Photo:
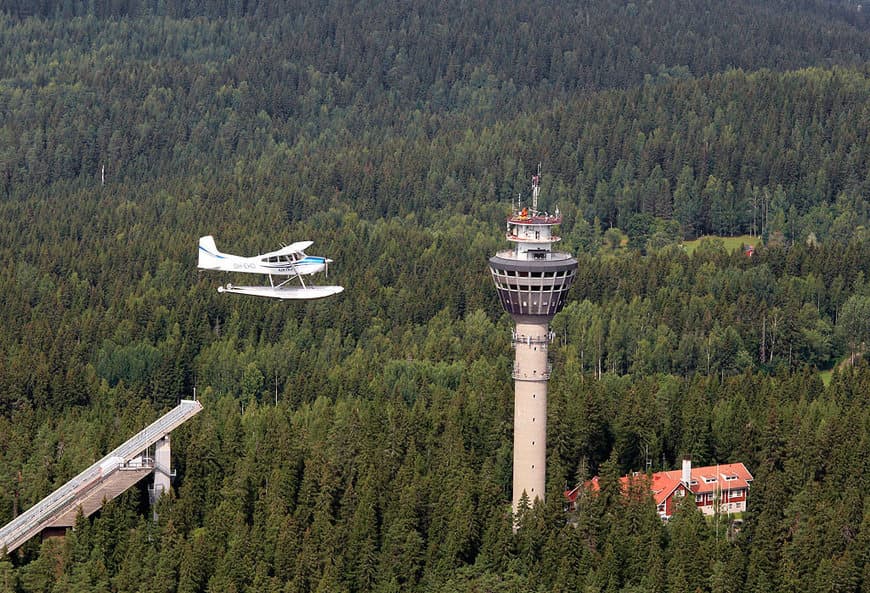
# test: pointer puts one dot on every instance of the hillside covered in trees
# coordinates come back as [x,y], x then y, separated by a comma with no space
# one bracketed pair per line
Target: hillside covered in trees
[363,443]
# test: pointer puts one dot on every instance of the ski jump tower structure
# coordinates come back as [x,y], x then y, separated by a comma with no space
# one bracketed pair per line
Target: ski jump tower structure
[104,480]
[532,283]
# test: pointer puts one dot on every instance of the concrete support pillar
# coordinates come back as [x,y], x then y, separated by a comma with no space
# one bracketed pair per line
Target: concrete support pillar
[531,373]
[162,469]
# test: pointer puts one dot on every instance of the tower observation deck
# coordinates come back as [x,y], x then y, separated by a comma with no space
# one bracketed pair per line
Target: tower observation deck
[532,282]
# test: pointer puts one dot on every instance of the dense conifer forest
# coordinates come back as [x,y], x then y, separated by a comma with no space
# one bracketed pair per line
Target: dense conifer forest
[363,442]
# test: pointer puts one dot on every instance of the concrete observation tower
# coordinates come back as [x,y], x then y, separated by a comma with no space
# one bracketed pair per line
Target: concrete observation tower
[532,282]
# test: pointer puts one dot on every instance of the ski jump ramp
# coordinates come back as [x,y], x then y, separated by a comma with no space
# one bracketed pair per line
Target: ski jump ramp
[104,480]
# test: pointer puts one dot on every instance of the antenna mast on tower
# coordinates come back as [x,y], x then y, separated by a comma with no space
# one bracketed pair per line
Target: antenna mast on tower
[536,189]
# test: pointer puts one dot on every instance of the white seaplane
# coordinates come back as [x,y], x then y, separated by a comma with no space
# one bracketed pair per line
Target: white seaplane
[288,261]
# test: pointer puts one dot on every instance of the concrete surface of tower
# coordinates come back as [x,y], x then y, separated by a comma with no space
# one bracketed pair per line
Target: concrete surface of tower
[532,282]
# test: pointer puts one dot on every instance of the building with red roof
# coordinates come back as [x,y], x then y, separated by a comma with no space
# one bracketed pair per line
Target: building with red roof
[726,484]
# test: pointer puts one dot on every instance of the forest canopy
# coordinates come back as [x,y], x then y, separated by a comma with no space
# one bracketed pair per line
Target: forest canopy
[363,442]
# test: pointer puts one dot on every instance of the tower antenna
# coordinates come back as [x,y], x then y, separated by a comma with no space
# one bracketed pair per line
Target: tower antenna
[536,189]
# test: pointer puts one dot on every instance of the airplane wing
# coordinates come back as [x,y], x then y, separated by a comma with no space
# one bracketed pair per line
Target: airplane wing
[283,292]
[297,247]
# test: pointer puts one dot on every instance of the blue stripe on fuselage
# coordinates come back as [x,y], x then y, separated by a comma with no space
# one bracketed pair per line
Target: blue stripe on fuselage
[308,260]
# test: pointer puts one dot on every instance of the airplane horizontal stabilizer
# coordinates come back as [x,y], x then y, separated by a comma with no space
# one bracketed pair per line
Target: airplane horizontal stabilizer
[295,293]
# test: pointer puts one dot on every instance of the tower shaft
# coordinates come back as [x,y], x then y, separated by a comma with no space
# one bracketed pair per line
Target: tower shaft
[531,371]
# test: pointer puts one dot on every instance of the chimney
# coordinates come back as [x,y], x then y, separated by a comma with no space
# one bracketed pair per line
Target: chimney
[686,477]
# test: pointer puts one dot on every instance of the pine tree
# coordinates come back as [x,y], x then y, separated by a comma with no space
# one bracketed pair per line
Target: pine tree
[688,567]
[8,578]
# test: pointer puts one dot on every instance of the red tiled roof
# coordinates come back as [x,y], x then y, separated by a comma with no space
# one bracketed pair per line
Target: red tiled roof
[662,484]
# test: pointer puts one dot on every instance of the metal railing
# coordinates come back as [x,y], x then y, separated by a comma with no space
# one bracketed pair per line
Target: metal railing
[529,374]
[538,340]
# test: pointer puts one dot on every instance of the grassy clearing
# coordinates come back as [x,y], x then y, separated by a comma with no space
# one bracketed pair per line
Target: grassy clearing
[845,362]
[730,243]
[825,376]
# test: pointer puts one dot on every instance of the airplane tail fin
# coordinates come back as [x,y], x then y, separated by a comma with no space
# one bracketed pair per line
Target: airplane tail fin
[209,256]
